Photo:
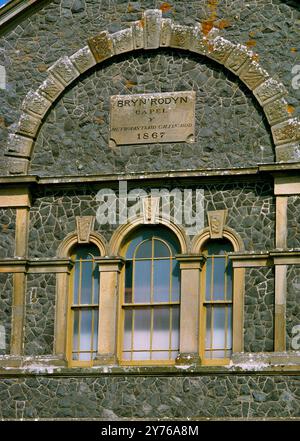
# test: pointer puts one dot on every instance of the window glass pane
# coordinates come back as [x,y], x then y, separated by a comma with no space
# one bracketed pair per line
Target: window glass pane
[86,282]
[141,355]
[229,327]
[142,323]
[160,355]
[219,278]
[161,280]
[127,330]
[161,328]
[142,281]
[75,330]
[208,268]
[217,247]
[95,331]
[175,281]
[85,330]
[218,327]
[144,250]
[96,276]
[160,249]
[208,342]
[85,356]
[175,328]
[128,282]
[76,283]
[229,279]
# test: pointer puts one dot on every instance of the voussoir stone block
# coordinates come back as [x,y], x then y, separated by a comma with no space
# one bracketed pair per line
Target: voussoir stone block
[83,59]
[252,74]
[123,41]
[28,125]
[286,132]
[18,166]
[51,88]
[288,152]
[238,58]
[138,34]
[199,42]
[268,91]
[101,46]
[152,26]
[181,36]
[19,146]
[165,32]
[277,111]
[64,70]
[219,49]
[36,103]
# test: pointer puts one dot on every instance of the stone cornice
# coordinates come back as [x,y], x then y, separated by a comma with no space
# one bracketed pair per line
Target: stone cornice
[266,258]
[40,265]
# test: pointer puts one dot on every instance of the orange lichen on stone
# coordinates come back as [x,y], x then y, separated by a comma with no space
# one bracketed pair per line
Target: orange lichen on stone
[165,7]
[130,8]
[42,67]
[290,108]
[207,26]
[223,24]
[255,57]
[251,43]
[129,84]
[294,49]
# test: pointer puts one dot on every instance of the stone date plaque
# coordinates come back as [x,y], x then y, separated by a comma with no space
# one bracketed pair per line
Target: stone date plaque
[152,118]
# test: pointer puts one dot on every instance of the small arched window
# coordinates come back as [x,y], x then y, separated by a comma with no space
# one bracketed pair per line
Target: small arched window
[217,301]
[83,305]
[151,299]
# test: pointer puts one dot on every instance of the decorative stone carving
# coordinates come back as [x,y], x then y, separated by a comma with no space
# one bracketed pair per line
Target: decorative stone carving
[64,70]
[237,58]
[152,24]
[219,49]
[138,34]
[18,166]
[51,88]
[83,59]
[85,225]
[101,46]
[28,125]
[150,206]
[288,152]
[287,131]
[216,221]
[19,146]
[277,111]
[268,91]
[181,36]
[166,32]
[36,104]
[253,74]
[122,41]
[199,43]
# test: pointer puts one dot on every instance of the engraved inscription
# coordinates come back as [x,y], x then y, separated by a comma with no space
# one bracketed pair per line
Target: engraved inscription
[152,118]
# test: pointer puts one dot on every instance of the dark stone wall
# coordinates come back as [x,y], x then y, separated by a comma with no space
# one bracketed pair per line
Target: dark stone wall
[7,232]
[293,222]
[150,397]
[60,28]
[251,212]
[6,292]
[292,303]
[40,314]
[259,310]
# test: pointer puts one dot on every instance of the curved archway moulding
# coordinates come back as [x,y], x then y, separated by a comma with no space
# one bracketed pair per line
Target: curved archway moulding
[152,32]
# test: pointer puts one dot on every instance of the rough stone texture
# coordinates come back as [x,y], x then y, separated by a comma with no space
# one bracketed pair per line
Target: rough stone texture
[293,224]
[292,304]
[249,206]
[268,27]
[150,397]
[40,309]
[7,232]
[259,310]
[6,289]
[226,116]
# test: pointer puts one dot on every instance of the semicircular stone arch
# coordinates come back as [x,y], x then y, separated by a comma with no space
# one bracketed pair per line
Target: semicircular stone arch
[153,32]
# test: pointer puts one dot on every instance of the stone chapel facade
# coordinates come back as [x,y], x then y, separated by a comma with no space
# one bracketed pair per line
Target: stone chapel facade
[155,278]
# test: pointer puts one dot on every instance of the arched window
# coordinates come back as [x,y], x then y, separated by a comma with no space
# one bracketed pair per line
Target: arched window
[217,302]
[151,298]
[83,305]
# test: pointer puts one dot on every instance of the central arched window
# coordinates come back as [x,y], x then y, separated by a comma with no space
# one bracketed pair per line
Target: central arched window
[151,298]
[84,305]
[217,302]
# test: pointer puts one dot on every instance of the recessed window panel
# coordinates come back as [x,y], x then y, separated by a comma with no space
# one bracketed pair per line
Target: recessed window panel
[219,278]
[161,280]
[208,268]
[128,281]
[160,249]
[142,281]
[144,250]
[127,330]
[161,329]
[175,328]
[142,325]
[86,282]
[175,281]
